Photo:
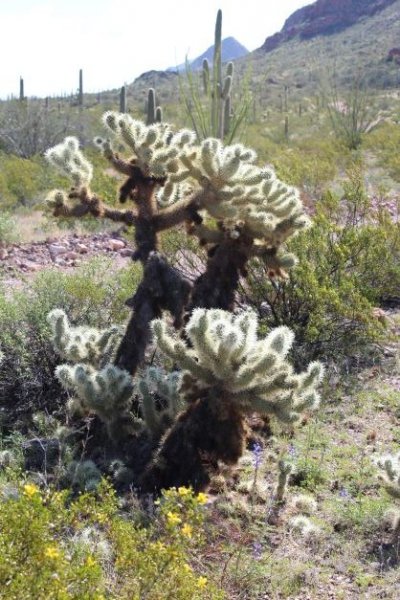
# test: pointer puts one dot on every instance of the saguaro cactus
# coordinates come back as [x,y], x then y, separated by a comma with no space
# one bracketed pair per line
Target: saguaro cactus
[218,119]
[122,100]
[154,113]
[80,88]
[21,89]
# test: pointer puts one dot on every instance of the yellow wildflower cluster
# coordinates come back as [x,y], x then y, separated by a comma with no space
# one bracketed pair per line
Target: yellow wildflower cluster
[30,490]
[187,530]
[52,552]
[173,518]
[201,582]
[202,498]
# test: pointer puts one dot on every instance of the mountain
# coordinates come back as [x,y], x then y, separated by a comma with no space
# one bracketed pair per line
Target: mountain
[324,17]
[231,50]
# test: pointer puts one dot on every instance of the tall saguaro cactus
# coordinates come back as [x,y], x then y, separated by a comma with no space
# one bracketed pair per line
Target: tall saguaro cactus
[154,113]
[217,119]
[122,100]
[21,89]
[80,89]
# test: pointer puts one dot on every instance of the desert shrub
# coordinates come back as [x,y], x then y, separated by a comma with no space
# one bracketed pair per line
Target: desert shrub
[52,546]
[8,229]
[384,142]
[348,263]
[19,181]
[311,164]
[93,294]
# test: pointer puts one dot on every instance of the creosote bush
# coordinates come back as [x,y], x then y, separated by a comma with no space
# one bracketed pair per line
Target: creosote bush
[348,263]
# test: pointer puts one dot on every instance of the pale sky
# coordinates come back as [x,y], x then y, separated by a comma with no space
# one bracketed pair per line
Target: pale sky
[114,41]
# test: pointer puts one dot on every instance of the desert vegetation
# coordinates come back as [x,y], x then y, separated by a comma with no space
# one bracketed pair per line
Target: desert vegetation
[199,335]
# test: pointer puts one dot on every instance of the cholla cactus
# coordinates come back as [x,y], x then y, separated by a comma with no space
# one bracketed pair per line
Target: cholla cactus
[389,466]
[227,372]
[71,162]
[158,385]
[83,476]
[301,525]
[389,475]
[226,355]
[155,147]
[82,344]
[285,469]
[98,386]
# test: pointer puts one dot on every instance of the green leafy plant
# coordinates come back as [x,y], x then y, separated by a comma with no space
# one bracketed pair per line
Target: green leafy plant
[347,266]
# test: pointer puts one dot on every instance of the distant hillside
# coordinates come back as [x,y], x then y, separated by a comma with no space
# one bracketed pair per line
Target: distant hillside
[231,50]
[367,48]
[324,17]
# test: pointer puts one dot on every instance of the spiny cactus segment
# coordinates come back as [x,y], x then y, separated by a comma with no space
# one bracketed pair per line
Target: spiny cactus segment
[389,475]
[158,387]
[68,159]
[99,387]
[82,344]
[226,356]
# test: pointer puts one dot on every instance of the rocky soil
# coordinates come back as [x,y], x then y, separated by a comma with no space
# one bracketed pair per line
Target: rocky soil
[66,252]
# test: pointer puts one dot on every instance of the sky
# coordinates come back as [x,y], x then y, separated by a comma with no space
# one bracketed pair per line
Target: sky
[47,41]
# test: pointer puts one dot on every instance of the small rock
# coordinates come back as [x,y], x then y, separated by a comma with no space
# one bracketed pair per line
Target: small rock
[126,252]
[71,255]
[82,248]
[3,253]
[115,244]
[31,266]
[57,250]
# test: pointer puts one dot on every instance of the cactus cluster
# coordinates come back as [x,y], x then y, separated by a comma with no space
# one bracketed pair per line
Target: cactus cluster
[230,186]
[98,386]
[225,356]
[68,159]
[104,389]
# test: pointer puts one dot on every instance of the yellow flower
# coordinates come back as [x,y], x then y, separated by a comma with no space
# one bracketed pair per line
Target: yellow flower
[202,498]
[30,489]
[52,552]
[183,491]
[187,530]
[187,568]
[173,518]
[202,582]
[90,561]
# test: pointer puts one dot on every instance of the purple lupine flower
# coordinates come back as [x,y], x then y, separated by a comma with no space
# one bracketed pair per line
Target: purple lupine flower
[292,451]
[257,454]
[343,493]
[257,550]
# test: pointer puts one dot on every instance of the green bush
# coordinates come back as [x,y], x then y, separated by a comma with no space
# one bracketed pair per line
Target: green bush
[84,549]
[8,229]
[348,263]
[94,294]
